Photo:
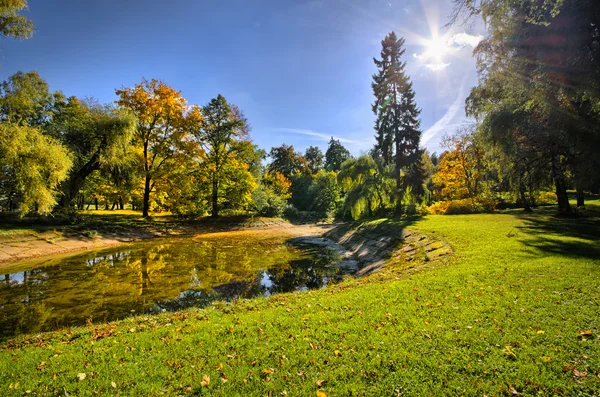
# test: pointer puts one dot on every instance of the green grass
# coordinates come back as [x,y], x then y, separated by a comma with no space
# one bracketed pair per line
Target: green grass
[514,311]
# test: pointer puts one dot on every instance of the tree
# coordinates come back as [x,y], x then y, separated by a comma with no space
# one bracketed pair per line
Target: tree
[36,164]
[367,185]
[160,111]
[325,192]
[286,161]
[25,99]
[99,137]
[540,84]
[314,159]
[11,23]
[397,124]
[461,170]
[222,132]
[335,155]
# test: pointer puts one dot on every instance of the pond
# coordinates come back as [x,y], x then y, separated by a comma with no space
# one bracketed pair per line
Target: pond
[159,275]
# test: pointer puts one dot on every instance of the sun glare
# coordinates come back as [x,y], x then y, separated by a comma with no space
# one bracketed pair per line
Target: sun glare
[436,48]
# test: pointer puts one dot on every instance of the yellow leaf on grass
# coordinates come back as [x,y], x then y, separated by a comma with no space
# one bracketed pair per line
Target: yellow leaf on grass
[321,393]
[81,376]
[320,382]
[205,380]
[113,384]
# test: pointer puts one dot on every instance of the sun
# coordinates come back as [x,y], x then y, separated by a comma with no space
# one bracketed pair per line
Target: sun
[436,49]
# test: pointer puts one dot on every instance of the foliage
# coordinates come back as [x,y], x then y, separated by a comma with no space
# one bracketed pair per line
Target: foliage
[335,155]
[397,123]
[460,173]
[325,192]
[368,187]
[35,163]
[315,159]
[25,99]
[160,113]
[529,101]
[462,206]
[286,161]
[11,23]
[267,202]
[221,133]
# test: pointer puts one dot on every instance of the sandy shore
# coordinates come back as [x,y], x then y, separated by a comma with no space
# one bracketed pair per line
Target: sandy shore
[30,246]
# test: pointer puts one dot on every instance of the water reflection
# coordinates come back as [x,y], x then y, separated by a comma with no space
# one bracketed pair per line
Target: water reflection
[155,276]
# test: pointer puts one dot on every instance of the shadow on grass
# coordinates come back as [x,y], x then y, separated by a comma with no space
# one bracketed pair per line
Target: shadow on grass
[572,237]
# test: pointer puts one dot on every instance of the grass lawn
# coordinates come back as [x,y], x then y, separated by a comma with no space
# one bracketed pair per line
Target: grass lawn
[514,311]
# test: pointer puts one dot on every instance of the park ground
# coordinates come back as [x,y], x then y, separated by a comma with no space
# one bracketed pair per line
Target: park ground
[513,311]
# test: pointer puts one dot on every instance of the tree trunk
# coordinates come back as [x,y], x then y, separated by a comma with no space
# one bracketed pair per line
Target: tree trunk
[70,188]
[146,197]
[564,208]
[121,206]
[580,197]
[96,202]
[215,198]
[524,200]
[398,177]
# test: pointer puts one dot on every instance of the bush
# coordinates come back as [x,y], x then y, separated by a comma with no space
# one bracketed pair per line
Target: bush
[294,214]
[267,203]
[464,206]
[546,198]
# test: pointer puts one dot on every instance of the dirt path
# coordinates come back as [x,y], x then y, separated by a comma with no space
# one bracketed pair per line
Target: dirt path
[30,246]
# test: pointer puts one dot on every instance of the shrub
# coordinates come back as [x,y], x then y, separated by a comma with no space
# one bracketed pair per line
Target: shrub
[267,203]
[464,206]
[546,198]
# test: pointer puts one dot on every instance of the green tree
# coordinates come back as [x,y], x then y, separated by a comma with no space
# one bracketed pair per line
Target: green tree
[335,155]
[542,95]
[286,161]
[325,192]
[99,138]
[315,159]
[161,113]
[36,163]
[367,185]
[12,24]
[397,124]
[222,132]
[25,99]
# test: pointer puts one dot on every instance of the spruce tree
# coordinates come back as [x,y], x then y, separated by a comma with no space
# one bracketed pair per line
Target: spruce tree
[397,124]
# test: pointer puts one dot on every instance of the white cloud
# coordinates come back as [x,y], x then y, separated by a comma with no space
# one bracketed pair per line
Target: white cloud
[465,39]
[321,136]
[436,67]
[437,49]
[449,120]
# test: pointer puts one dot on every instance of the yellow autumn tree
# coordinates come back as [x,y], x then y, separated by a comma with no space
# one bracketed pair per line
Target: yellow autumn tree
[461,169]
[161,113]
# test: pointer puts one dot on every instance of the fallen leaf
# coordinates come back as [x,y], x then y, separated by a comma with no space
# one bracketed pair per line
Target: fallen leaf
[321,393]
[578,374]
[268,370]
[205,380]
[113,384]
[81,376]
[320,382]
[540,332]
[337,353]
[514,391]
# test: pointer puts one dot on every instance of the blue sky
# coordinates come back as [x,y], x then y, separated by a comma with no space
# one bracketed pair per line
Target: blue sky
[299,69]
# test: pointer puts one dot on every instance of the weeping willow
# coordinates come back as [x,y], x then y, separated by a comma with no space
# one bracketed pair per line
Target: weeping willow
[367,186]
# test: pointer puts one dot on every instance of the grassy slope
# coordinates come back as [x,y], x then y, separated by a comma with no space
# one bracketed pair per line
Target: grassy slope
[504,316]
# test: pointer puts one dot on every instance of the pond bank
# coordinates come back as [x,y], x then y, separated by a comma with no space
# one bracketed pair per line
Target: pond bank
[32,245]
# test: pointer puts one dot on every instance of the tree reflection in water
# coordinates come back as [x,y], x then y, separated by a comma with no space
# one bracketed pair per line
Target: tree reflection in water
[155,276]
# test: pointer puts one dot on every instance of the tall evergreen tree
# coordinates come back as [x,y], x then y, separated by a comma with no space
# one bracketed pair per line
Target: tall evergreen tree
[335,155]
[397,124]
